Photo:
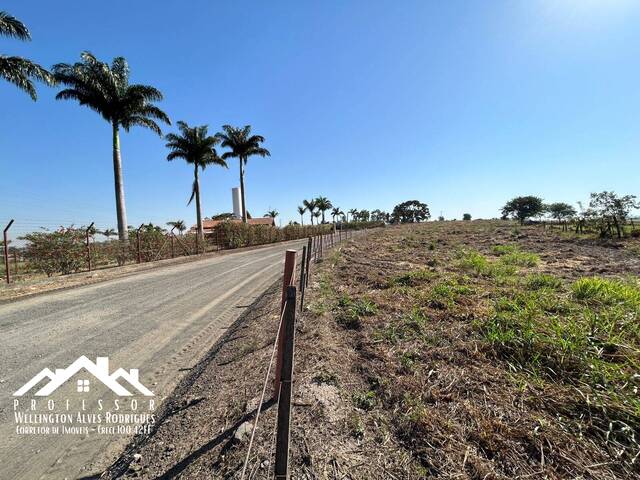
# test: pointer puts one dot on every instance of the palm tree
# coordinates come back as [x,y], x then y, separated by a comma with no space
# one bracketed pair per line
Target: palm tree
[316,214]
[301,211]
[242,145]
[106,90]
[109,232]
[336,212]
[272,213]
[18,70]
[323,204]
[196,147]
[310,206]
[178,224]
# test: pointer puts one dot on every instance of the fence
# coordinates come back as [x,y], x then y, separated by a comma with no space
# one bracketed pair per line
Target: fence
[73,250]
[284,345]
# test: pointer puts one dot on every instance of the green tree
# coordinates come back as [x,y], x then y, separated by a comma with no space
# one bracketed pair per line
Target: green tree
[353,212]
[242,145]
[105,89]
[562,212]
[272,213]
[311,206]
[316,215]
[336,212]
[323,204]
[17,70]
[612,210]
[301,210]
[178,225]
[197,148]
[522,208]
[411,211]
[466,217]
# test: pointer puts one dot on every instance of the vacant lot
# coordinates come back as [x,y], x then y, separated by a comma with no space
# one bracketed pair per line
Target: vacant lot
[477,350]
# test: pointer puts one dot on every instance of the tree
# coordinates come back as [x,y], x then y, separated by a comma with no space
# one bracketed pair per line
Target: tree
[242,145]
[106,90]
[353,212]
[561,212]
[197,148]
[310,205]
[522,208]
[323,204]
[466,217]
[411,211]
[17,70]
[335,213]
[612,209]
[109,232]
[379,216]
[316,215]
[178,225]
[272,213]
[301,211]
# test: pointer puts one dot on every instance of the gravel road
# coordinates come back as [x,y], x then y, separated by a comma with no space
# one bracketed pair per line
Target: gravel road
[160,322]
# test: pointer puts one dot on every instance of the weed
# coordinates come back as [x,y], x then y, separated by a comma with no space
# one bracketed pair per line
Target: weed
[412,279]
[520,259]
[351,311]
[539,281]
[328,378]
[364,400]
[606,291]
[356,427]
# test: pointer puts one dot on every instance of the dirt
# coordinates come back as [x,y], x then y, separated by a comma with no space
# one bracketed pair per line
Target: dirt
[358,412]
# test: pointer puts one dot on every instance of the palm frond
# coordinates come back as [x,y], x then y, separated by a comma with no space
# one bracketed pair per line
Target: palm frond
[21,72]
[10,26]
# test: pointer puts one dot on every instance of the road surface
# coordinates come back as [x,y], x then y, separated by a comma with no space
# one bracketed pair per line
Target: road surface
[160,322]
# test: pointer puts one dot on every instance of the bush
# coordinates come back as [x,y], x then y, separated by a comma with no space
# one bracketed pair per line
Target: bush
[62,251]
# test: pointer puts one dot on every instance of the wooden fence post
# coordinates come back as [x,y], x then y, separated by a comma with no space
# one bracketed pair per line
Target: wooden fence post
[283,435]
[5,238]
[303,275]
[306,279]
[88,245]
[287,280]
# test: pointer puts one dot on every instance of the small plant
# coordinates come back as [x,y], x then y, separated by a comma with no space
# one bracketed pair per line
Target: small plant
[356,427]
[364,400]
[328,378]
[606,291]
[539,281]
[520,259]
[351,311]
[412,279]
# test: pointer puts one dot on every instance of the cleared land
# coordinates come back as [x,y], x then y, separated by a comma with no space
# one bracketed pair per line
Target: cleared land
[475,350]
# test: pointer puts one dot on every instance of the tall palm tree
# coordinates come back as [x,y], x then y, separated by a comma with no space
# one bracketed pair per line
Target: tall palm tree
[353,213]
[310,206]
[242,145]
[105,89]
[316,215]
[18,70]
[196,147]
[335,213]
[272,213]
[301,211]
[178,224]
[323,204]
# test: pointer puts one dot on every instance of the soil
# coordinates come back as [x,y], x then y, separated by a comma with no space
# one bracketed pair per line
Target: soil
[358,414]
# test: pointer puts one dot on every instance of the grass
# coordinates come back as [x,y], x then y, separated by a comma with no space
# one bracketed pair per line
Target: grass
[350,311]
[412,279]
[607,292]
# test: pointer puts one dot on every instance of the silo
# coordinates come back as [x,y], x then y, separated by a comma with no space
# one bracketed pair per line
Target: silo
[237,202]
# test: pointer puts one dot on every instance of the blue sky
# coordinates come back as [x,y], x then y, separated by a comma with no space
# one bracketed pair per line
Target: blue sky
[461,104]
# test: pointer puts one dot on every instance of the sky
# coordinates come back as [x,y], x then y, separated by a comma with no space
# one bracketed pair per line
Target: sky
[461,104]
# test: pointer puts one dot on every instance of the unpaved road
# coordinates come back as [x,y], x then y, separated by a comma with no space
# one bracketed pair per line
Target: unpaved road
[160,322]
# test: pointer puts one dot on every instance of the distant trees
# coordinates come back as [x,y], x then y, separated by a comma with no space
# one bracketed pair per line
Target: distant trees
[612,210]
[411,211]
[522,208]
[323,204]
[379,216]
[272,214]
[562,212]
[310,206]
[17,70]
[466,217]
[242,145]
[301,210]
[336,212]
[178,225]
[105,89]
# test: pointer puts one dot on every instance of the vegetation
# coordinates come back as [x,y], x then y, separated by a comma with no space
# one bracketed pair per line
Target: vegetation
[105,89]
[522,208]
[197,148]
[411,211]
[466,217]
[17,70]
[242,145]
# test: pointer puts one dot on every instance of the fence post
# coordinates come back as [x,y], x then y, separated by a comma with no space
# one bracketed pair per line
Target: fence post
[303,275]
[5,237]
[88,245]
[287,280]
[138,242]
[283,435]
[15,261]
[308,260]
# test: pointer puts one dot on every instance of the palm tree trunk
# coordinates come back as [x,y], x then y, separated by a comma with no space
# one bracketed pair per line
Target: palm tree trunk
[121,211]
[198,207]
[322,216]
[302,220]
[244,208]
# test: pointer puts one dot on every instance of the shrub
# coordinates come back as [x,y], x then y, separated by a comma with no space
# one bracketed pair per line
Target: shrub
[62,251]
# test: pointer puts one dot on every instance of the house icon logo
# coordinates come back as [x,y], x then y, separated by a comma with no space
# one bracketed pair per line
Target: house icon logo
[100,371]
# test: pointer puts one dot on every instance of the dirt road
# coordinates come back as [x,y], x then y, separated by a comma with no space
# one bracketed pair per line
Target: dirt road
[160,322]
